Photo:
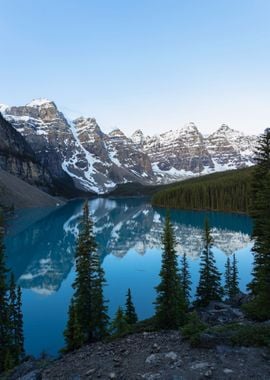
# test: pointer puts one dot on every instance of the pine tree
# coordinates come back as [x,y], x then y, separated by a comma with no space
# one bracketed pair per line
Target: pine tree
[100,316]
[185,279]
[259,308]
[231,278]
[130,312]
[209,288]
[170,303]
[228,278]
[11,350]
[234,278]
[19,325]
[72,333]
[12,318]
[4,307]
[82,285]
[119,325]
[88,310]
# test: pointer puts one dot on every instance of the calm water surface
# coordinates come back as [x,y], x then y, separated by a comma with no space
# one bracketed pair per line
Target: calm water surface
[40,249]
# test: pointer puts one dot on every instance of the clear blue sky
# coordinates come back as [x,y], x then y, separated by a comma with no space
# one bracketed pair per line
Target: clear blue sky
[149,64]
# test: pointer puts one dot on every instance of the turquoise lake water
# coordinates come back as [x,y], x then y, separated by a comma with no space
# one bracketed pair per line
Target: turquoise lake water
[40,250]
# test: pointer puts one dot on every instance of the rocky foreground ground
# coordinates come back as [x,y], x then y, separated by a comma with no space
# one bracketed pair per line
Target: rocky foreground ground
[152,355]
[225,349]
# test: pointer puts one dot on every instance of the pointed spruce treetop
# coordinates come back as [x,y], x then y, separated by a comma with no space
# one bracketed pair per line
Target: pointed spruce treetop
[130,312]
[119,325]
[209,288]
[170,302]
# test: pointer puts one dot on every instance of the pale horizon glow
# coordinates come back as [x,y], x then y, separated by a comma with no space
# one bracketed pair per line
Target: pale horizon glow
[153,65]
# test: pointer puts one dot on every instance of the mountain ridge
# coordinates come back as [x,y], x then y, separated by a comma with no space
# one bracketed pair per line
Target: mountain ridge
[97,162]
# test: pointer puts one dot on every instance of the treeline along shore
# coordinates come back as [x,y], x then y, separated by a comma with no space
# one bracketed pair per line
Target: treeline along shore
[226,191]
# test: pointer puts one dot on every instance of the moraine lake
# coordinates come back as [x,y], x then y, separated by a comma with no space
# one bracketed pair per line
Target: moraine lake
[40,247]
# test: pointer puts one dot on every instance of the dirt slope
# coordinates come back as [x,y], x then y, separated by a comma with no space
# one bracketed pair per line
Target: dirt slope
[16,193]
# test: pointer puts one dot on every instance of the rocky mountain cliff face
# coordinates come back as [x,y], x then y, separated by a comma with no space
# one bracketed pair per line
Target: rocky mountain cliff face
[230,149]
[96,162]
[17,158]
[186,152]
[176,154]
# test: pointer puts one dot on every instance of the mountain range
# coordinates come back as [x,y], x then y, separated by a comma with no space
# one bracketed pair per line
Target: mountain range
[44,148]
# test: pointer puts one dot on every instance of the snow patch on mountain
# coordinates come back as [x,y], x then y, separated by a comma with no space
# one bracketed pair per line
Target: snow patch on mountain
[71,165]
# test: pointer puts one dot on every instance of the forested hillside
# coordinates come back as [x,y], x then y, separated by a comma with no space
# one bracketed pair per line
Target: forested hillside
[226,191]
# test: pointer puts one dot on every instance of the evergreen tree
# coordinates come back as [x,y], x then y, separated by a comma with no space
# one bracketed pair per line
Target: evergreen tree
[228,277]
[185,279]
[234,278]
[170,303]
[11,323]
[100,316]
[231,278]
[260,206]
[209,288]
[119,325]
[12,319]
[82,285]
[19,325]
[130,312]
[4,307]
[88,310]
[72,333]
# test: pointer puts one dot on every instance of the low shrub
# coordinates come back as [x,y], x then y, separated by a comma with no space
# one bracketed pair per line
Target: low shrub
[193,328]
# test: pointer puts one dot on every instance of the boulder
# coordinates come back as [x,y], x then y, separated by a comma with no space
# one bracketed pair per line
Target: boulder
[219,313]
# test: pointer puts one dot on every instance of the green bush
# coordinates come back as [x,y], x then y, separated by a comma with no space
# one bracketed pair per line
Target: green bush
[193,328]
[256,310]
[254,335]
[251,335]
[146,325]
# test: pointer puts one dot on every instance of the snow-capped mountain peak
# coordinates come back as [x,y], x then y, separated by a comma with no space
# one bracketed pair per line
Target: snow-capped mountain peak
[138,137]
[40,102]
[225,130]
[117,133]
[189,127]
